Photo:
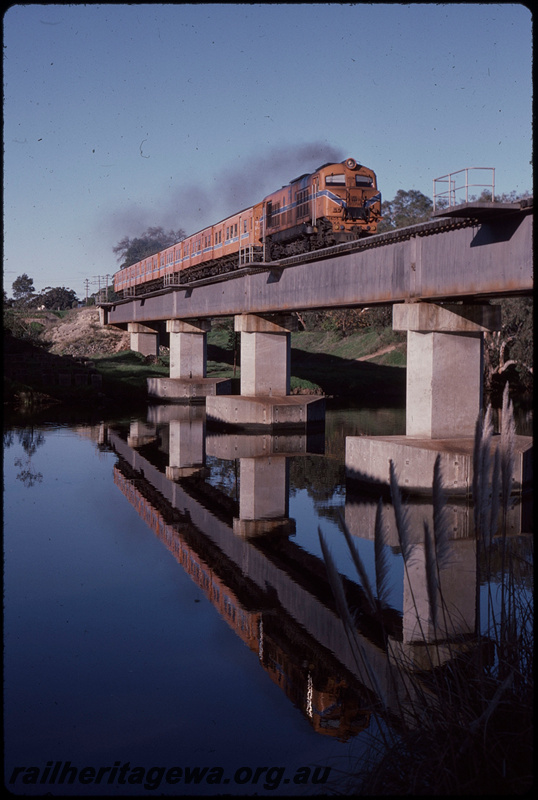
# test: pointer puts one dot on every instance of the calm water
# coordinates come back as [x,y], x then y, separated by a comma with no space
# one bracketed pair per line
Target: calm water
[168,627]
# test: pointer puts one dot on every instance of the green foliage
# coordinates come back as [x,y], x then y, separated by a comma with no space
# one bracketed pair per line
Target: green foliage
[17,325]
[407,208]
[23,289]
[509,353]
[25,296]
[58,298]
[152,240]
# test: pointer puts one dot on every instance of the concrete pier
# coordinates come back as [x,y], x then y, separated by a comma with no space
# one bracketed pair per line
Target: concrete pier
[143,339]
[265,354]
[265,379]
[444,365]
[443,403]
[188,348]
[188,379]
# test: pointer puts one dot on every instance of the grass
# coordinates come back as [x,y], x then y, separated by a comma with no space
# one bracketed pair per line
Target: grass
[462,723]
[322,362]
[128,370]
[354,346]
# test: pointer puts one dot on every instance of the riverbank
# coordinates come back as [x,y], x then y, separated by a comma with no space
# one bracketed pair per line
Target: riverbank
[67,358]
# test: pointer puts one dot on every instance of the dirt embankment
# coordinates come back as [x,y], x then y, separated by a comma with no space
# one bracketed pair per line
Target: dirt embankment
[81,334]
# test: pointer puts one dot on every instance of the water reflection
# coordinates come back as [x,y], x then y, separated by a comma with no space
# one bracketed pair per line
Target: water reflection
[234,537]
[30,439]
[238,552]
[110,647]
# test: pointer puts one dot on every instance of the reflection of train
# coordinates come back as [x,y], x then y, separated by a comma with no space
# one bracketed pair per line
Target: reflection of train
[297,664]
[338,202]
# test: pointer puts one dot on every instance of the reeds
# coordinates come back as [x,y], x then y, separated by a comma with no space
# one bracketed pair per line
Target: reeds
[460,722]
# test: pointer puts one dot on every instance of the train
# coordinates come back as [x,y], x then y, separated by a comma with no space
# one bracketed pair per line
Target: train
[336,203]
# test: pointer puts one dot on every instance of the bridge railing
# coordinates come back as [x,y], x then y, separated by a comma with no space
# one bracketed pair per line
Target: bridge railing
[449,190]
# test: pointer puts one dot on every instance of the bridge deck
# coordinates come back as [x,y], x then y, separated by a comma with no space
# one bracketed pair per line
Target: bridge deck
[439,260]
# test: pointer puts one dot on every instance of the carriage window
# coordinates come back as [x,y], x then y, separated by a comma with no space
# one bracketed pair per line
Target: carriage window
[363,180]
[335,180]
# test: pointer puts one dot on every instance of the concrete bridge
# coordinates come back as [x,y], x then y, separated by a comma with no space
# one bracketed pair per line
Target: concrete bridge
[439,276]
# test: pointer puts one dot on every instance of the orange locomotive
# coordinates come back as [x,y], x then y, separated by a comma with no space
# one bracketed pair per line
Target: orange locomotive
[338,202]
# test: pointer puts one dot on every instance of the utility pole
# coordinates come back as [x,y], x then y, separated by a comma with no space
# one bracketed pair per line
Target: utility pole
[97,279]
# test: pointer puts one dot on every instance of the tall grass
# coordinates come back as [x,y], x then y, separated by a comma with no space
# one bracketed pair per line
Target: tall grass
[460,720]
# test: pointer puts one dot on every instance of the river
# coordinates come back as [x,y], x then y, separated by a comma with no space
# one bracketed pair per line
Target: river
[168,625]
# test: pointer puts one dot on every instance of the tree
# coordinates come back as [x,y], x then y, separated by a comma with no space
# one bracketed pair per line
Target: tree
[508,353]
[407,208]
[23,289]
[152,240]
[58,298]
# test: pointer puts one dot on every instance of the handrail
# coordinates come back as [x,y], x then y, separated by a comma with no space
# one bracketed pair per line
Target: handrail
[448,197]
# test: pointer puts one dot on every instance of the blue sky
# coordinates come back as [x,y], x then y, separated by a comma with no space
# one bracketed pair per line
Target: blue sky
[117,117]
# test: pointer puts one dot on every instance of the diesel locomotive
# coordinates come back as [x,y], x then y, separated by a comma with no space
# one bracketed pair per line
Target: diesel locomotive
[338,202]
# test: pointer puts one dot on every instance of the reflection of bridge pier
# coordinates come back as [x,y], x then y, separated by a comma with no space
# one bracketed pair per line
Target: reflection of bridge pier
[430,636]
[263,479]
[186,443]
[183,427]
[263,497]
[140,433]
[427,635]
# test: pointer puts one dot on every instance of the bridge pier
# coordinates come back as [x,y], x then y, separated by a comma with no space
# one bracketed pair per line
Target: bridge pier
[143,339]
[265,379]
[265,354]
[443,403]
[188,364]
[444,366]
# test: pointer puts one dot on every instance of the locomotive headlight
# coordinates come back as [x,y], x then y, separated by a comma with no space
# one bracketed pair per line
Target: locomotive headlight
[351,163]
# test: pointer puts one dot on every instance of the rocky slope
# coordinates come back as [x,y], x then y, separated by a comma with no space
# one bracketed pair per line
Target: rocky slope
[81,334]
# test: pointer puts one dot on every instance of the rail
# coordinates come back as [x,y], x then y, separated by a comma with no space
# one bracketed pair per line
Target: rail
[449,197]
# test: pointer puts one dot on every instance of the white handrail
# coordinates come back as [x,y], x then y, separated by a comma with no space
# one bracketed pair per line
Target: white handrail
[448,197]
